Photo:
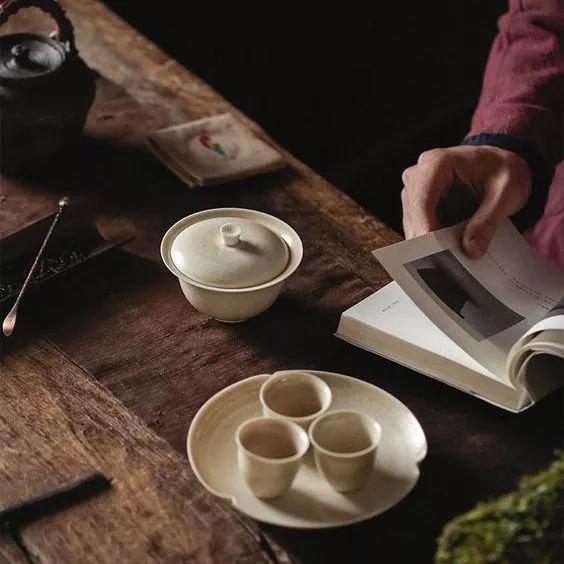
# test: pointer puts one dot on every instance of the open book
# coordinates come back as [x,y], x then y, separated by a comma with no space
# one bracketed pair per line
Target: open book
[493,327]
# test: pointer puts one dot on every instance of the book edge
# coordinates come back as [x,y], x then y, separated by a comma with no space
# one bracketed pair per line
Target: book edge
[515,408]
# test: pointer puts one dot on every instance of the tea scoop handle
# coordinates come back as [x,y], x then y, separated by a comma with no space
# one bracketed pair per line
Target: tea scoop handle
[65,30]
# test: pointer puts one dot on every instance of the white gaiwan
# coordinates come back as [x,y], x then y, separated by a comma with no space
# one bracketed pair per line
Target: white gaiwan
[231,262]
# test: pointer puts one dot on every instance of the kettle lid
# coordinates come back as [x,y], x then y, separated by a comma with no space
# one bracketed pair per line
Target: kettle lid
[26,56]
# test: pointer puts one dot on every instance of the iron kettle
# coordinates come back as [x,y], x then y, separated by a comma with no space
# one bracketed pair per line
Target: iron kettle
[46,90]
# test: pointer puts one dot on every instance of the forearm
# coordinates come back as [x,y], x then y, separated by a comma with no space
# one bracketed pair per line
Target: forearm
[521,105]
[523,88]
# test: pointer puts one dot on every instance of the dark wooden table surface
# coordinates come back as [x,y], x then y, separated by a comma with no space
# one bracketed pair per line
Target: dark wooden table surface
[110,365]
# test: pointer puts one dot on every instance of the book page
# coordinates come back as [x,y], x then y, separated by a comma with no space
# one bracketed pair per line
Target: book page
[484,305]
[552,320]
[546,337]
[392,311]
[389,324]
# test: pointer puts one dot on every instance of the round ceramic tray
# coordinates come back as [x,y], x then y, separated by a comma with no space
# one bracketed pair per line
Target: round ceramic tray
[310,503]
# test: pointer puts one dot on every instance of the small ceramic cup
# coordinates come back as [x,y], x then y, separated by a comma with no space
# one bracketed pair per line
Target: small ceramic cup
[269,454]
[345,443]
[298,397]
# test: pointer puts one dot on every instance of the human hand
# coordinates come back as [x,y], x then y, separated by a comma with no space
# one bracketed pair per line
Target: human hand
[501,179]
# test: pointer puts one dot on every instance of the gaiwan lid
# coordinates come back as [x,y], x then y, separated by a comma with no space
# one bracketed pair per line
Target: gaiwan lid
[229,252]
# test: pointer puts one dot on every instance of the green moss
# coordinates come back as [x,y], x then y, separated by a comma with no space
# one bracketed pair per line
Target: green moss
[524,526]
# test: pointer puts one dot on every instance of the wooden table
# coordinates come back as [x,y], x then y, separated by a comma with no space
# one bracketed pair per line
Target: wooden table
[108,372]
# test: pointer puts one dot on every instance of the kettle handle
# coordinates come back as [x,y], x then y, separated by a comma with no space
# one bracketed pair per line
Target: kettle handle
[65,31]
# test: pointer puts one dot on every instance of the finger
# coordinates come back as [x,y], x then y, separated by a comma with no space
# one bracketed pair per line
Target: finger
[407,231]
[427,183]
[496,205]
[430,155]
[406,221]
[407,175]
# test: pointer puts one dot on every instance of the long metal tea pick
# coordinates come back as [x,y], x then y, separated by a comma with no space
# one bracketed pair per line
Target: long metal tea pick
[10,320]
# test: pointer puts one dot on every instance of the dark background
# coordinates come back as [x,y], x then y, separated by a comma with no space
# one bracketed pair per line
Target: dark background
[354,89]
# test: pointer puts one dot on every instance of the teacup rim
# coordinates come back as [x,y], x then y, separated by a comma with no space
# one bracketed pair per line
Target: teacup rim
[266,459]
[355,453]
[299,418]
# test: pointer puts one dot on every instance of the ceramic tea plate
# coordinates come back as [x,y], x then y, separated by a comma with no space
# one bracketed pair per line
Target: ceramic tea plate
[310,503]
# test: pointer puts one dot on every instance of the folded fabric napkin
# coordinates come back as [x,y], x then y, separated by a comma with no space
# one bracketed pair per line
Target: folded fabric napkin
[213,150]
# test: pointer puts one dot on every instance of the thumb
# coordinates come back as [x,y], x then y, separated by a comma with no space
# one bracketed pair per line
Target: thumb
[481,227]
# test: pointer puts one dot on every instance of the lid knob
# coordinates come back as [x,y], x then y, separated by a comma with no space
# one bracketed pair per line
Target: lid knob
[19,51]
[20,57]
[231,234]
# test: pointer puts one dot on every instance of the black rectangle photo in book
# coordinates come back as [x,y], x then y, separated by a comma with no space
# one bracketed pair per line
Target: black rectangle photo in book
[461,296]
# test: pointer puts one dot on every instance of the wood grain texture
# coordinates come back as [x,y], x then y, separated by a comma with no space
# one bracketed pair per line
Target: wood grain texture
[154,512]
[126,323]
[10,553]
[118,120]
[170,94]
[156,80]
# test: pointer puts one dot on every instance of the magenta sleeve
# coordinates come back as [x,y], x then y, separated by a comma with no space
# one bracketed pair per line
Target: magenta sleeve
[523,88]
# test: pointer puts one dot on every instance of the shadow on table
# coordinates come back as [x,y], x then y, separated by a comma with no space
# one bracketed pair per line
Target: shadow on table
[73,296]
[483,450]
[476,450]
[295,329]
[132,188]
[126,177]
[416,520]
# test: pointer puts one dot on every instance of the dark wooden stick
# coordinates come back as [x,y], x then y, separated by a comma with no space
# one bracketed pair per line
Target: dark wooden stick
[12,518]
